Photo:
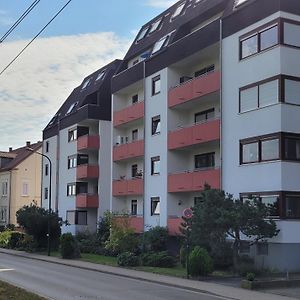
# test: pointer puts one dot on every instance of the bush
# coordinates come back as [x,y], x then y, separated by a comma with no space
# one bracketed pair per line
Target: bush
[222,255]
[127,259]
[155,239]
[28,244]
[250,276]
[200,263]
[68,246]
[11,239]
[158,259]
[88,243]
[182,256]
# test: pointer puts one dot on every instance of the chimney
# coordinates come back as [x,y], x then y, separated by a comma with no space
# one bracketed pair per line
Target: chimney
[27,143]
[10,149]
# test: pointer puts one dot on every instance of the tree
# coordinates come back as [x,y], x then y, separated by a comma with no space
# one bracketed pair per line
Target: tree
[218,216]
[34,220]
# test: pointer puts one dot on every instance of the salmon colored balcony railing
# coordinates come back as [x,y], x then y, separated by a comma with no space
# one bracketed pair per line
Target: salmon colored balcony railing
[193,181]
[88,142]
[130,150]
[87,172]
[87,201]
[128,114]
[174,224]
[195,88]
[193,135]
[128,187]
[134,222]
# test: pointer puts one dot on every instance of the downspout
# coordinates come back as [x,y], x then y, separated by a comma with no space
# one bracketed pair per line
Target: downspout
[144,163]
[9,198]
[221,100]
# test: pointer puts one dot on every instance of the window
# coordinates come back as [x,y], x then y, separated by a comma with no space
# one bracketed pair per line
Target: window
[259,95]
[155,26]
[82,159]
[155,206]
[3,214]
[134,135]
[71,189]
[205,71]
[86,83]
[133,207]
[46,193]
[71,108]
[72,162]
[292,34]
[249,153]
[239,2]
[292,206]
[135,99]
[46,169]
[70,217]
[142,34]
[155,165]
[134,170]
[72,135]
[25,189]
[178,10]
[155,125]
[4,188]
[206,160]
[81,218]
[203,116]
[47,147]
[155,85]
[53,119]
[292,148]
[81,188]
[160,44]
[292,91]
[270,149]
[100,75]
[259,41]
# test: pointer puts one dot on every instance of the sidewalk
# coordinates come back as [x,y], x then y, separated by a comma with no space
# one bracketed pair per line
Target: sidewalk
[198,286]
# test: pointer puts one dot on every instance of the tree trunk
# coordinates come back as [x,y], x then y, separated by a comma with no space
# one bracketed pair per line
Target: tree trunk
[236,246]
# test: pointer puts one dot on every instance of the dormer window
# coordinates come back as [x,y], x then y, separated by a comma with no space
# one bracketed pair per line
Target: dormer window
[86,83]
[161,44]
[142,34]
[178,10]
[100,75]
[71,108]
[155,26]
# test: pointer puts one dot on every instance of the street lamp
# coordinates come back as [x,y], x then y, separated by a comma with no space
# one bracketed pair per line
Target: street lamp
[49,201]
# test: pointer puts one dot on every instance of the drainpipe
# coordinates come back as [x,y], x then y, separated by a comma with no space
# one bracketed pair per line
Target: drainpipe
[221,106]
[9,198]
[144,163]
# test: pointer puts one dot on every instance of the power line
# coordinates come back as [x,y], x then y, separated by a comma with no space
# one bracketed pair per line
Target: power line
[37,35]
[16,24]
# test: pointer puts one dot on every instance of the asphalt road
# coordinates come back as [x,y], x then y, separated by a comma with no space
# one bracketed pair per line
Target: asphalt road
[65,283]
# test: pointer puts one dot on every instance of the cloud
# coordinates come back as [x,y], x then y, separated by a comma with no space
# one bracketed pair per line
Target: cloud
[36,85]
[160,3]
[5,20]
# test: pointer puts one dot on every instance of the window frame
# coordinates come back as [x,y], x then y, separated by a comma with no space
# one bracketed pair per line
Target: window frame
[155,121]
[205,113]
[153,209]
[154,160]
[134,204]
[72,135]
[73,191]
[153,85]
[207,156]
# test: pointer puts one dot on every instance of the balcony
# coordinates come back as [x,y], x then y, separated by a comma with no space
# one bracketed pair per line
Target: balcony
[128,187]
[193,181]
[193,135]
[130,150]
[87,201]
[195,88]
[87,172]
[174,223]
[134,222]
[88,142]
[128,114]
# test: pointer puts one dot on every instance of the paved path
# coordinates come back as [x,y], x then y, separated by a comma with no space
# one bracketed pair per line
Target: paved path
[72,279]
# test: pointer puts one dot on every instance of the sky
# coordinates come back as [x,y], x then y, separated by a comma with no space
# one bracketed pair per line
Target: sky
[86,36]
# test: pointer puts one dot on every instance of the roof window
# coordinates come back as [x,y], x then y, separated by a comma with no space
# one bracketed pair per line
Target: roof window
[161,44]
[239,2]
[142,34]
[155,25]
[178,10]
[86,83]
[71,108]
[100,75]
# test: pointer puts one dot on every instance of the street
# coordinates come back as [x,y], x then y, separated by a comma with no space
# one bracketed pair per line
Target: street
[65,283]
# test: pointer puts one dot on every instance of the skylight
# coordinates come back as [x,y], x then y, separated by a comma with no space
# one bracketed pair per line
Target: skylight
[86,83]
[53,120]
[239,2]
[72,106]
[161,43]
[142,34]
[155,26]
[178,10]
[100,75]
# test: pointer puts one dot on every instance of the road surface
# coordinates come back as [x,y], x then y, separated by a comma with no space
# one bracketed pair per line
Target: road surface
[66,283]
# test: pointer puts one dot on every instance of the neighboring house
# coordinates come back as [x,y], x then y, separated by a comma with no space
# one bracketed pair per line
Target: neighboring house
[20,181]
[208,93]
[78,142]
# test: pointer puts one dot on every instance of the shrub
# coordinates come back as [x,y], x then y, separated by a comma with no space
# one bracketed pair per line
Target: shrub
[68,246]
[182,256]
[158,259]
[250,276]
[127,259]
[155,239]
[88,243]
[200,263]
[222,255]
[11,239]
[2,228]
[28,244]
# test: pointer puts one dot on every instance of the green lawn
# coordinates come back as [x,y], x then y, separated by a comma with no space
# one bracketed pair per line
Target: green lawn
[99,259]
[9,292]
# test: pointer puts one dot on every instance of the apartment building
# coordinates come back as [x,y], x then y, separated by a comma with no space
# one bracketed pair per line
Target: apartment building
[209,93]
[20,181]
[77,141]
